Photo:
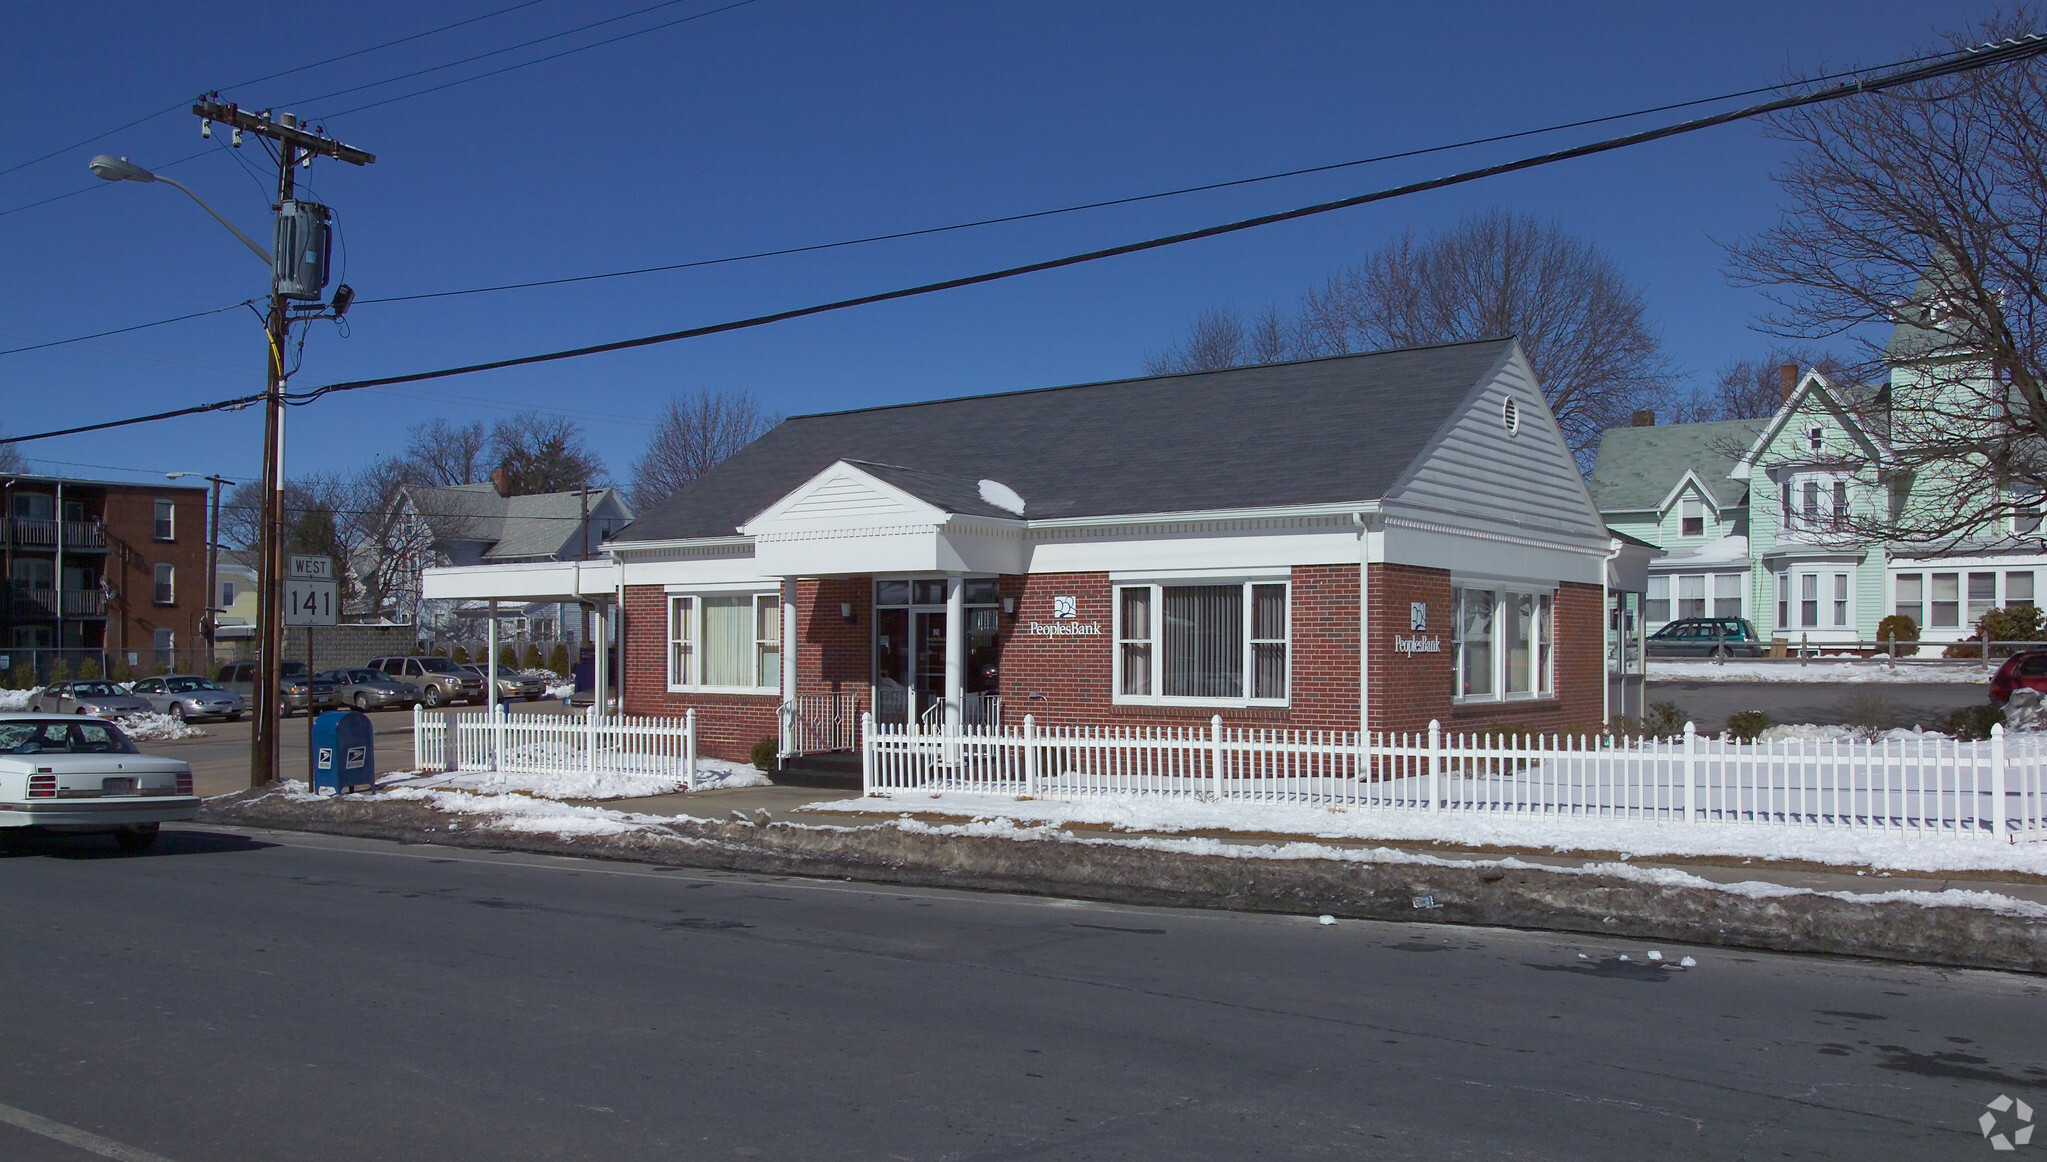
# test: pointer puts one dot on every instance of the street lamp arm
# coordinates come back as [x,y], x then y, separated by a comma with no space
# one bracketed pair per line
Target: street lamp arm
[232,228]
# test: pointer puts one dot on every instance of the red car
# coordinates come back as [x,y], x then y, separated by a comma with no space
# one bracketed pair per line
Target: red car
[2026,671]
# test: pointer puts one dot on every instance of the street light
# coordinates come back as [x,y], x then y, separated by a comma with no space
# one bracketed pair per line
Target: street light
[120,169]
[209,626]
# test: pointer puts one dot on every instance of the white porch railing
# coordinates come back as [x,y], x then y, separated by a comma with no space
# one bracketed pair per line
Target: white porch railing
[819,724]
[549,743]
[1944,787]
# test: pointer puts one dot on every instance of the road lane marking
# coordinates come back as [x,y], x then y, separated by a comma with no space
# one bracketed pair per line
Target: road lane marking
[73,1136]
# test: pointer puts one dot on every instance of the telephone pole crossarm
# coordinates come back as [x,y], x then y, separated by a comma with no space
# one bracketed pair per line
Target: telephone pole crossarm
[230,114]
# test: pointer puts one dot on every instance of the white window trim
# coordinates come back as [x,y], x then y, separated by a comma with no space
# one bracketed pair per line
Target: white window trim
[691,683]
[1502,590]
[1792,595]
[1156,583]
[172,520]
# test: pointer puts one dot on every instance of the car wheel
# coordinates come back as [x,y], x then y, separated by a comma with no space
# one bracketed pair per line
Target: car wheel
[137,838]
[432,697]
[362,703]
[234,716]
[178,711]
[1720,653]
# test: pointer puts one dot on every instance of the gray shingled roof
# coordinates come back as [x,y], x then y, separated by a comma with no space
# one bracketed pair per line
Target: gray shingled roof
[1637,467]
[1318,431]
[516,527]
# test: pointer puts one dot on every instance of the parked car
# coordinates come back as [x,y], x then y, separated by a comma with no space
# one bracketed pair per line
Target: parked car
[2026,670]
[301,690]
[83,775]
[187,697]
[87,696]
[439,679]
[513,686]
[367,689]
[1706,637]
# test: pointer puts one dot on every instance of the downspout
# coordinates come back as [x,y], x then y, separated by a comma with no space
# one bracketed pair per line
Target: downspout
[1366,521]
[1605,628]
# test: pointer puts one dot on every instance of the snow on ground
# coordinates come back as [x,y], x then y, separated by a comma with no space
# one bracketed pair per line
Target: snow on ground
[1819,670]
[644,776]
[154,727]
[17,699]
[1839,848]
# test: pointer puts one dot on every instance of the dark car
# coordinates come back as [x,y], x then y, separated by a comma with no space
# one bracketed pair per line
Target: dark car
[301,691]
[1706,637]
[2022,671]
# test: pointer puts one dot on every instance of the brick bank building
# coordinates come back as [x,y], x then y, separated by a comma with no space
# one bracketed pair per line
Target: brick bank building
[1379,540]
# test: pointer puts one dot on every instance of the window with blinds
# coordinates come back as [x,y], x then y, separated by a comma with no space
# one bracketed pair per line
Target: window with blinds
[1502,644]
[725,641]
[1207,643]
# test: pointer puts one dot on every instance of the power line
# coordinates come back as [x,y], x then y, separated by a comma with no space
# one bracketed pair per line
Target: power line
[514,48]
[1132,199]
[125,330]
[1968,60]
[1029,215]
[269,77]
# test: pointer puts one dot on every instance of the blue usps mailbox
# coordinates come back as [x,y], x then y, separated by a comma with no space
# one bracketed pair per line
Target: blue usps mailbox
[344,753]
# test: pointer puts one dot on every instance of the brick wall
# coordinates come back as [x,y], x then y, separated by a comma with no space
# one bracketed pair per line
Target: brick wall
[1067,680]
[133,553]
[1410,690]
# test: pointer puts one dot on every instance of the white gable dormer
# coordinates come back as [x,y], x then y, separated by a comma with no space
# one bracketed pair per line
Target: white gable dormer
[848,520]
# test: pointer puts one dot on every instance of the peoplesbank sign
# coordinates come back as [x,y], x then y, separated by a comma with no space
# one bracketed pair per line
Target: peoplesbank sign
[1419,641]
[1066,621]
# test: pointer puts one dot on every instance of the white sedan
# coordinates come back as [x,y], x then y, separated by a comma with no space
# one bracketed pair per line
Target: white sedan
[76,774]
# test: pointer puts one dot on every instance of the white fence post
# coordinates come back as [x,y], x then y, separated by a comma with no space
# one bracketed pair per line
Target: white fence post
[1435,765]
[1215,759]
[418,738]
[1030,740]
[689,748]
[867,753]
[590,741]
[1691,768]
[1997,780]
[497,734]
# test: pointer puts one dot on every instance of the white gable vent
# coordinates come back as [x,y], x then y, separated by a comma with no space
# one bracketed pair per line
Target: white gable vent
[1510,415]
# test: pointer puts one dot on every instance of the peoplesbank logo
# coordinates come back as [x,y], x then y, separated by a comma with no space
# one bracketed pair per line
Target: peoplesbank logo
[1065,621]
[1993,1118]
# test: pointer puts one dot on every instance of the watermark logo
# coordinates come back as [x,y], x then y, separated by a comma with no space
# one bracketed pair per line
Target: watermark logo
[1993,1119]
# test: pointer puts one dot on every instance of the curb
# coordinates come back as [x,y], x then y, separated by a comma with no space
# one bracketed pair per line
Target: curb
[1489,896]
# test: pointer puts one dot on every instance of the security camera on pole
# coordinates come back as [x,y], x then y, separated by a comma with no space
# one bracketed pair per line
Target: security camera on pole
[298,258]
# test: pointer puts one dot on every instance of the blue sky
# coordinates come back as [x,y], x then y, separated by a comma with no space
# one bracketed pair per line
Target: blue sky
[788,122]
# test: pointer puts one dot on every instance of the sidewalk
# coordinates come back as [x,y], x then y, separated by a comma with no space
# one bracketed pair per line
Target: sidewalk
[811,807]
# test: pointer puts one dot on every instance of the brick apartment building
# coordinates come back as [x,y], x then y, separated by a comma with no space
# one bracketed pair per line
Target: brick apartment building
[103,570]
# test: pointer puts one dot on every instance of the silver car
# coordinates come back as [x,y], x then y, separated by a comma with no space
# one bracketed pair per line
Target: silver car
[187,697]
[84,775]
[87,696]
[512,685]
[370,689]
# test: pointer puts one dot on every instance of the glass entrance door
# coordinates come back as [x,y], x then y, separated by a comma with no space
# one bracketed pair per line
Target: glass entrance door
[910,643]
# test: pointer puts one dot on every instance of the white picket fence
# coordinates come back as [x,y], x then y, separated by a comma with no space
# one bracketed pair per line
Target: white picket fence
[1944,787]
[555,743]
[819,724]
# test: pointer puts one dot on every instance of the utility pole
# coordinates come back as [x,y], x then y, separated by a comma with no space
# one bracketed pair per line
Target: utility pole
[295,146]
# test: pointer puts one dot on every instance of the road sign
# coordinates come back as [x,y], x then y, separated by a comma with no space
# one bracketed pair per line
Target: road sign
[311,602]
[298,568]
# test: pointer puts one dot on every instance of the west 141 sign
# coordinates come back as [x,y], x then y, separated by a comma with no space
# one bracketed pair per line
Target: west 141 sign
[311,595]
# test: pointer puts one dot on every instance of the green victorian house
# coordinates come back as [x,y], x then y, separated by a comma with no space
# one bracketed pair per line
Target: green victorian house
[1768,520]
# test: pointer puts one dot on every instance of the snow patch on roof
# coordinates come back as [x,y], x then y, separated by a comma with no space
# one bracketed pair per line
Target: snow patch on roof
[1002,496]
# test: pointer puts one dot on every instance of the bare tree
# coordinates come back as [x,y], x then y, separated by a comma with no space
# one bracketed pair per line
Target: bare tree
[1915,229]
[11,459]
[695,433]
[1582,323]
[442,454]
[1753,388]
[1214,341]
[543,453]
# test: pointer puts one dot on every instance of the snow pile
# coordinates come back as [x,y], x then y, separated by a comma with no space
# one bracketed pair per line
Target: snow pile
[642,777]
[1856,670]
[151,726]
[1810,732]
[17,699]
[999,495]
[1839,848]
[1653,876]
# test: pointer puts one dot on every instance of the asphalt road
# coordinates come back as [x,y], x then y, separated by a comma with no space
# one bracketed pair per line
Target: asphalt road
[1926,704]
[301,997]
